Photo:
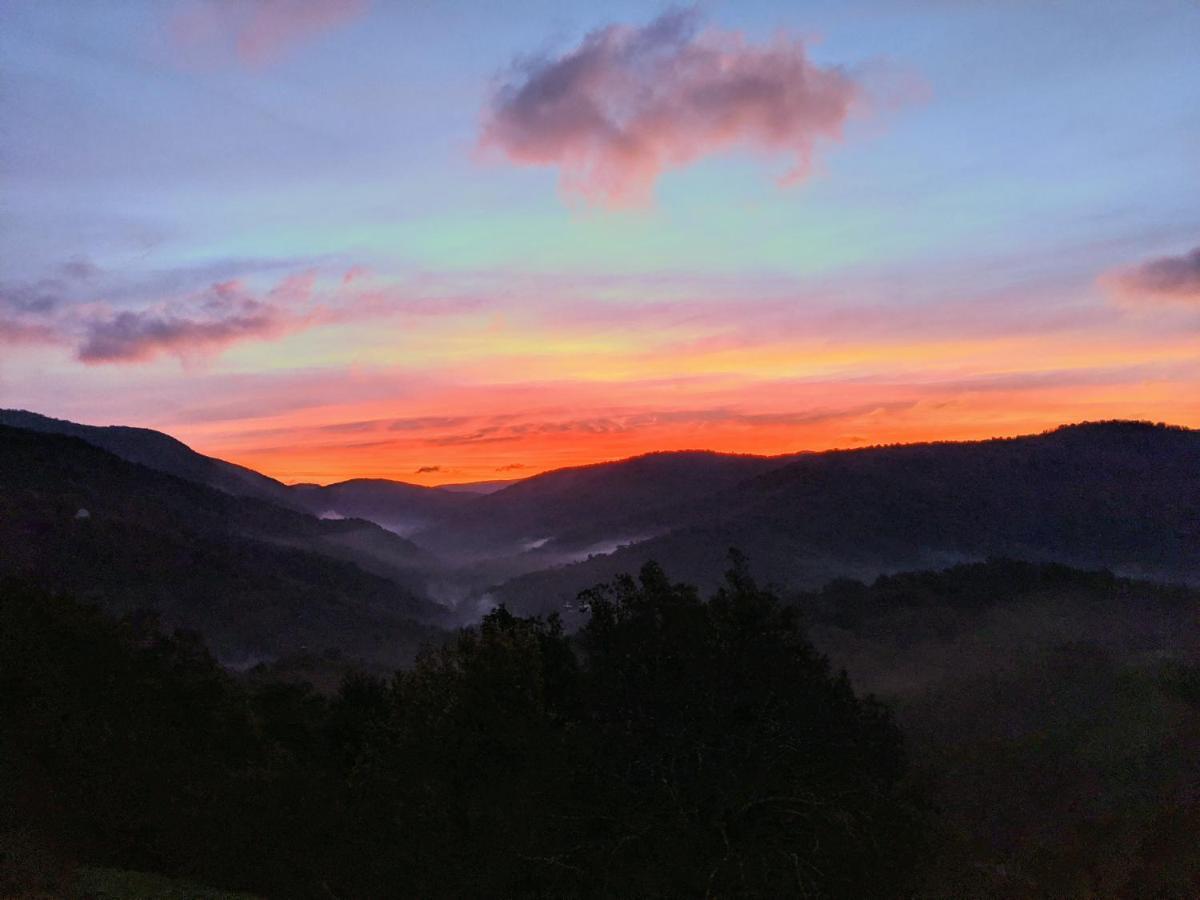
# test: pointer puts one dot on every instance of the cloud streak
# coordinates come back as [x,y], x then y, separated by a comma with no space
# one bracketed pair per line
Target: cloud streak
[628,104]
[16,332]
[254,33]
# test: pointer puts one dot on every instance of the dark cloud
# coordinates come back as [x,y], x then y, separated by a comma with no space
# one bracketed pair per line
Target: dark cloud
[424,470]
[222,315]
[629,103]
[1168,276]
[137,336]
[38,298]
[26,312]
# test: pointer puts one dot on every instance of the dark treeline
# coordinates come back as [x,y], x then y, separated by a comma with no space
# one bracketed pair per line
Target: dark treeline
[674,747]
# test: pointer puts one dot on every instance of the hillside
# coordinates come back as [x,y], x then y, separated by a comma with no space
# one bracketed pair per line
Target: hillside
[161,452]
[567,510]
[257,580]
[1121,495]
[395,505]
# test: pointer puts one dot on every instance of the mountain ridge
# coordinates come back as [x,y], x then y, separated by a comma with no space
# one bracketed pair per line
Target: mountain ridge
[258,579]
[1116,493]
[1119,494]
[158,450]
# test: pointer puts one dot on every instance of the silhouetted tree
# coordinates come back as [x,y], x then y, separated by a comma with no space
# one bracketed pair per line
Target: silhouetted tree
[736,762]
[678,747]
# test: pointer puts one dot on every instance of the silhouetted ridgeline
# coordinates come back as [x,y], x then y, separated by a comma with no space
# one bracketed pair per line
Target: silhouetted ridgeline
[158,451]
[1118,495]
[258,580]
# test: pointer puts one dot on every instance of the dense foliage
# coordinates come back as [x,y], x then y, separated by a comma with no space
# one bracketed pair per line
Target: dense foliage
[678,747]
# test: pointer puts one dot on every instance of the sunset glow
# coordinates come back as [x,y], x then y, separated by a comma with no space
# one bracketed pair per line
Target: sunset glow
[819,229]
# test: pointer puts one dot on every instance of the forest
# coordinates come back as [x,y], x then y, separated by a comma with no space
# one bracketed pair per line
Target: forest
[675,746]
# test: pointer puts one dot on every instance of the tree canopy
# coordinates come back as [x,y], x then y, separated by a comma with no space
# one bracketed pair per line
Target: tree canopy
[676,746]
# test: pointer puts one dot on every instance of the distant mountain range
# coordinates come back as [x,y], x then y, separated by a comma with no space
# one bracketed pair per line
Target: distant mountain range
[397,506]
[1118,495]
[1121,495]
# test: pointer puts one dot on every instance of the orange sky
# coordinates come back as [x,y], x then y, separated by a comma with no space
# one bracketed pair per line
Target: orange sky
[367,247]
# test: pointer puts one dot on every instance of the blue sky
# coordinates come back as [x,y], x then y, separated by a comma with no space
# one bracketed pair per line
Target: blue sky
[1001,166]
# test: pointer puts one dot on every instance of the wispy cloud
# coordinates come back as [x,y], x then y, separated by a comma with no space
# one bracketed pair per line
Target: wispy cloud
[628,103]
[196,325]
[641,421]
[194,312]
[17,332]
[24,312]
[253,33]
[1167,277]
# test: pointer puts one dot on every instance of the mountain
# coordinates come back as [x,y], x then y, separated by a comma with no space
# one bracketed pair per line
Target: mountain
[397,506]
[159,451]
[478,487]
[1120,495]
[584,508]
[258,580]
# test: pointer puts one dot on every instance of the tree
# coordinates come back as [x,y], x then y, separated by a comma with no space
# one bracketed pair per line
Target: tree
[735,762]
[676,747]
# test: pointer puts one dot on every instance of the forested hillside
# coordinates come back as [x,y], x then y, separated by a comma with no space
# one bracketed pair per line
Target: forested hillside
[1117,495]
[258,580]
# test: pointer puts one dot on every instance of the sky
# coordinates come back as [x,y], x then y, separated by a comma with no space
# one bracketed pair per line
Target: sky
[448,242]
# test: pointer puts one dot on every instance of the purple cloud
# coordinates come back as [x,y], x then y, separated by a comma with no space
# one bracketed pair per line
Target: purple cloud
[1171,277]
[629,103]
[210,321]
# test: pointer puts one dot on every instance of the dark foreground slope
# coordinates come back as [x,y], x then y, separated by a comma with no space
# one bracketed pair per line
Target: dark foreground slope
[254,578]
[691,748]
[674,748]
[1120,495]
